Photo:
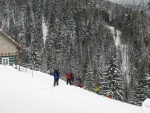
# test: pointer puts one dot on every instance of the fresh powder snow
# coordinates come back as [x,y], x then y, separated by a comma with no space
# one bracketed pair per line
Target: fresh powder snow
[27,92]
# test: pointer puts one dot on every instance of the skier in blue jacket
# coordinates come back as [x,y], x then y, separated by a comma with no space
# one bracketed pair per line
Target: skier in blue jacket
[56,77]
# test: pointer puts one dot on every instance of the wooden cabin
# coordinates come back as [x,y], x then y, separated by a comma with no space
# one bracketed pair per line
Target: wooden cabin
[10,50]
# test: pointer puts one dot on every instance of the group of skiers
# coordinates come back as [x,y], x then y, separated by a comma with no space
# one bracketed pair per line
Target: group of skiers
[70,80]
[69,76]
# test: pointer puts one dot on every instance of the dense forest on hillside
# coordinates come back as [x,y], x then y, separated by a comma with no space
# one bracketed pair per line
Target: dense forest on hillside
[80,39]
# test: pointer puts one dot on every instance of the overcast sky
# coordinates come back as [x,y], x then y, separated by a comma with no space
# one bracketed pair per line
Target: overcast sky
[137,2]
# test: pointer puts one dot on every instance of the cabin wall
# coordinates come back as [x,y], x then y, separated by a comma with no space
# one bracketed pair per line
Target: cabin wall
[6,46]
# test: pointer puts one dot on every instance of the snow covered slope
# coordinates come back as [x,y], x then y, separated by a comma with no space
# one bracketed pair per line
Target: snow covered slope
[20,92]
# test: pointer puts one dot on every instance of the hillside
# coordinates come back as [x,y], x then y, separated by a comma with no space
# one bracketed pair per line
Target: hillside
[27,92]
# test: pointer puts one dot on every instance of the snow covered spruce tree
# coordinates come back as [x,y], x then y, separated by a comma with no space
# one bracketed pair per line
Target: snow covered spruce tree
[35,43]
[114,81]
[142,83]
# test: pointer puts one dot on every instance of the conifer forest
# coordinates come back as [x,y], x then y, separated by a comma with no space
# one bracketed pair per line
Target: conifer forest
[107,44]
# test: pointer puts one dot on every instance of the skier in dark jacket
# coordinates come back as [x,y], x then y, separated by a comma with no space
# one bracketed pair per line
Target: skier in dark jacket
[79,82]
[72,77]
[56,77]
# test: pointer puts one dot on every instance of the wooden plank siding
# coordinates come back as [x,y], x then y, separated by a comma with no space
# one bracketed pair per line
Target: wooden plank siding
[12,59]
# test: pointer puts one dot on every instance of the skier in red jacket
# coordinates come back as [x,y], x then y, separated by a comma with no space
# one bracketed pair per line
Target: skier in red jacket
[68,76]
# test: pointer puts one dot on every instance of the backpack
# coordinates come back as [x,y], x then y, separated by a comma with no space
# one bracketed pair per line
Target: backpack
[72,76]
